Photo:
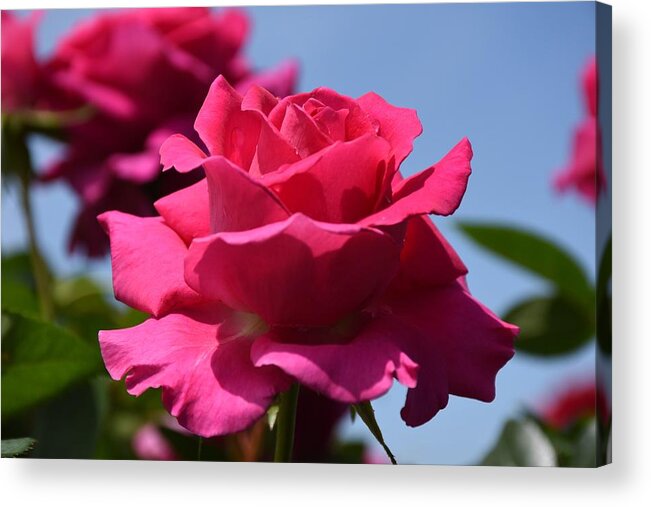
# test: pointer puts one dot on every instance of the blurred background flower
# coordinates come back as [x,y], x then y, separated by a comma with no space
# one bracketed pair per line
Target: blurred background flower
[584,172]
[143,73]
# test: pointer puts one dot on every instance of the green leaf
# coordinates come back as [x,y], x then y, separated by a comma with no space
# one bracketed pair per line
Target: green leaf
[584,453]
[83,306]
[353,414]
[521,443]
[536,254]
[550,325]
[18,286]
[348,453]
[40,360]
[367,414]
[67,427]
[272,415]
[16,446]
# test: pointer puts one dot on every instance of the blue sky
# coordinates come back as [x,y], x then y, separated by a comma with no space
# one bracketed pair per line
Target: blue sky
[504,75]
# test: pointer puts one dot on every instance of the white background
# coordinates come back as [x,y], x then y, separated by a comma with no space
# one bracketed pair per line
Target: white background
[626,482]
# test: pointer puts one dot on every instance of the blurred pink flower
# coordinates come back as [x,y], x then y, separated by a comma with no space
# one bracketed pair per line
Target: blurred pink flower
[145,73]
[303,256]
[21,74]
[585,173]
[150,444]
[579,400]
[375,458]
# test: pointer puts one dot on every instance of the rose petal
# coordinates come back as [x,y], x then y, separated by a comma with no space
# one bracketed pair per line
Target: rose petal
[332,122]
[209,382]
[224,128]
[335,369]
[437,190]
[140,167]
[187,211]
[272,150]
[338,184]
[463,339]
[300,130]
[398,125]
[147,260]
[427,259]
[179,152]
[258,99]
[296,272]
[238,202]
[358,122]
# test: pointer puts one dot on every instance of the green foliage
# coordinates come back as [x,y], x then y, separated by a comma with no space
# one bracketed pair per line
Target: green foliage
[522,443]
[367,414]
[536,254]
[550,325]
[348,453]
[14,447]
[84,307]
[40,360]
[530,441]
[68,425]
[584,451]
[18,287]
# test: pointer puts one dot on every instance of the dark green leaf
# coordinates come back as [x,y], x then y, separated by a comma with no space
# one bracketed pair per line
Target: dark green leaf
[16,446]
[83,306]
[67,427]
[550,325]
[536,254]
[18,297]
[353,414]
[521,443]
[39,361]
[18,286]
[348,453]
[367,414]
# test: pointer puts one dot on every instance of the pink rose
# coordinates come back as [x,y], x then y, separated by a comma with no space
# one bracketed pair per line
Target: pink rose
[145,72]
[585,172]
[303,256]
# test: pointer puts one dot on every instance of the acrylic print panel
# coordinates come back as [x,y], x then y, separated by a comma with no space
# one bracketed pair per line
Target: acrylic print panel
[227,241]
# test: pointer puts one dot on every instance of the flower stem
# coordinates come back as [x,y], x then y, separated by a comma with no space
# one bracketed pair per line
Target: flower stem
[285,425]
[39,267]
[199,448]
